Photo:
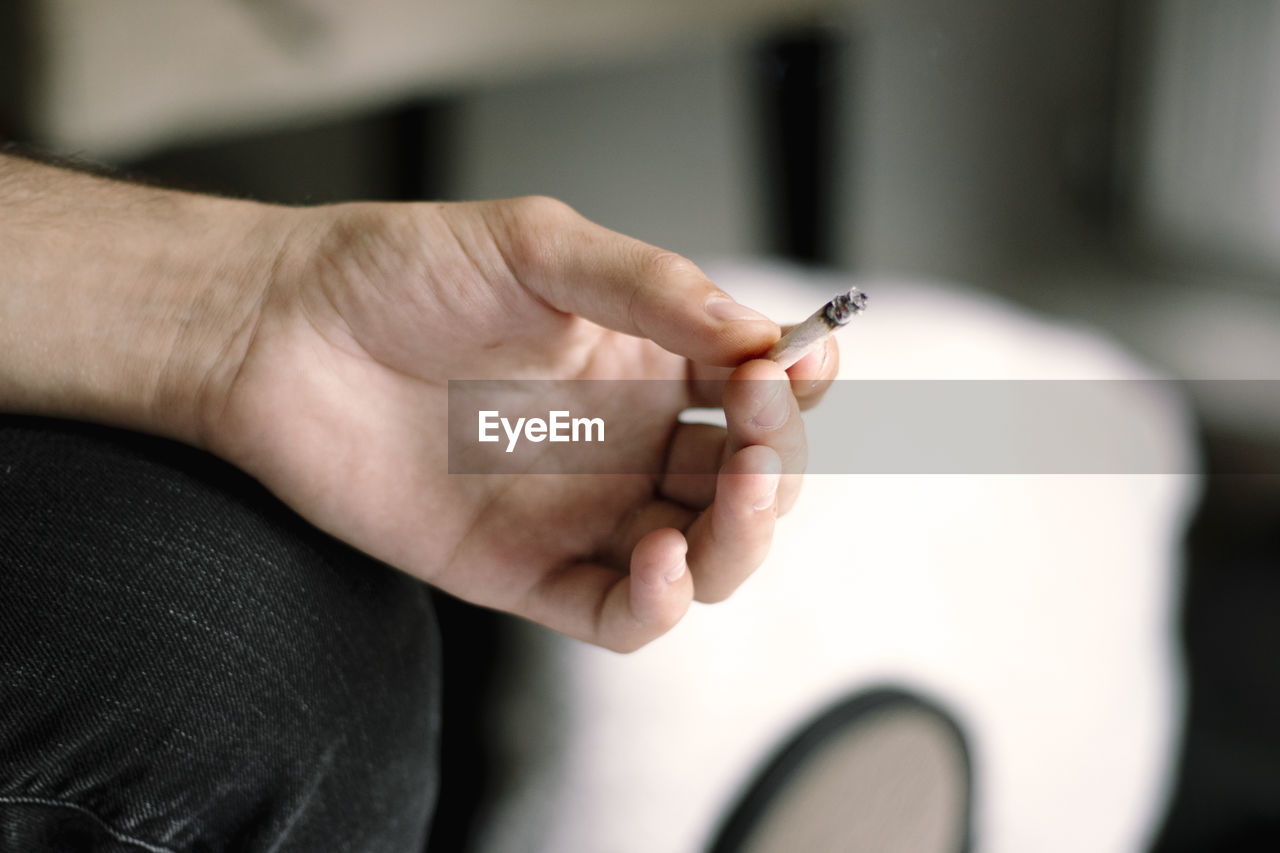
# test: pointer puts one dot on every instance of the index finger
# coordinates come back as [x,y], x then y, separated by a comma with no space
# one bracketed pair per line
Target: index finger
[582,268]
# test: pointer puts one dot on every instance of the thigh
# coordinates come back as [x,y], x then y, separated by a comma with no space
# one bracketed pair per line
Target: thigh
[186,665]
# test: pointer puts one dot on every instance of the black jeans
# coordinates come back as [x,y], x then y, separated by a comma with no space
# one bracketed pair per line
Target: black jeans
[187,665]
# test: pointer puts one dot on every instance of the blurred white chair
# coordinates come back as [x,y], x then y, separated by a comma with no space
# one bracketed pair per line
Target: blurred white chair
[1037,610]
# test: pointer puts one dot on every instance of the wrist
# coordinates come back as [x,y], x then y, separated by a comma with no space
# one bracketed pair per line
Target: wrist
[211,296]
[121,304]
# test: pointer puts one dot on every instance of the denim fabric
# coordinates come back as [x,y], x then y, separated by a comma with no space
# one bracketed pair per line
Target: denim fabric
[186,665]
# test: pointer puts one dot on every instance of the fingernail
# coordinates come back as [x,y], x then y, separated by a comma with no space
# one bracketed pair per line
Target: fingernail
[773,413]
[675,572]
[725,310]
[766,500]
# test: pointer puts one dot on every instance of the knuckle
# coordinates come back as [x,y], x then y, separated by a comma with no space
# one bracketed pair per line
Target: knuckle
[661,265]
[540,208]
[536,229]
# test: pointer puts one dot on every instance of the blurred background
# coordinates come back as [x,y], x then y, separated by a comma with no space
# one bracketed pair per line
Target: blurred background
[1113,163]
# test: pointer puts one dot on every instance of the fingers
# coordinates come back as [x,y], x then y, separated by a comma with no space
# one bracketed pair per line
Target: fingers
[582,268]
[810,377]
[724,544]
[761,410]
[693,459]
[731,538]
[654,515]
[619,611]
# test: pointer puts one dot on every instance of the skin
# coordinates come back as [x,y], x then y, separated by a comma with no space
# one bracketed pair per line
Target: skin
[312,348]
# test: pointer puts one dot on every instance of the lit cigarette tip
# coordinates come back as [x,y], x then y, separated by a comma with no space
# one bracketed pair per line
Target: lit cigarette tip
[802,339]
[845,306]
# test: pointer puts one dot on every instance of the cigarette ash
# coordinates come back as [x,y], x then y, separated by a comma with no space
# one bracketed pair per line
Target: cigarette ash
[845,306]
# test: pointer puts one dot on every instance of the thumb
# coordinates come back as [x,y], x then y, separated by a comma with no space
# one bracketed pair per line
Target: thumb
[624,284]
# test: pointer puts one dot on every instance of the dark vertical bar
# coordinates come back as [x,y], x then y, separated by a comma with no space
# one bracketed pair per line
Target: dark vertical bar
[471,645]
[19,64]
[800,95]
[421,150]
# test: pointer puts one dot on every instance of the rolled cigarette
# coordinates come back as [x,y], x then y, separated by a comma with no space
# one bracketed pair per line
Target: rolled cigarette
[798,342]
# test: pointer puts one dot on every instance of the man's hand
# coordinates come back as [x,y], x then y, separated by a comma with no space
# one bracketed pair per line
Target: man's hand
[314,351]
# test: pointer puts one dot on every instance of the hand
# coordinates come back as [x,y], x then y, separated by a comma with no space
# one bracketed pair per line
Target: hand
[335,397]
[312,347]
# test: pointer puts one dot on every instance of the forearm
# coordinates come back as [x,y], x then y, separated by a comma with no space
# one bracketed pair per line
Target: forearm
[121,303]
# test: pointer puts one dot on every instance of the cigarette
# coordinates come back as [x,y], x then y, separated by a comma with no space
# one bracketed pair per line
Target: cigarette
[798,342]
